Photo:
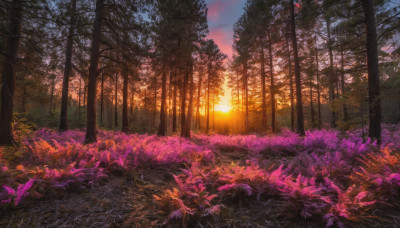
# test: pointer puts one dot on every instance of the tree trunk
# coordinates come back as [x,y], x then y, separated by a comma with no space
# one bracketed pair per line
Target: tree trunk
[343,89]
[311,104]
[125,122]
[213,112]
[272,88]
[161,126]
[291,87]
[67,70]
[79,98]
[263,97]
[183,100]
[174,102]
[318,84]
[84,95]
[153,120]
[190,107]
[373,72]
[300,118]
[102,100]
[331,75]
[246,91]
[132,104]
[94,62]
[116,101]
[198,101]
[208,100]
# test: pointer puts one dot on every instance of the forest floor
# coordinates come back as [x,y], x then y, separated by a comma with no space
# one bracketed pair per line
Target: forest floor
[328,179]
[127,200]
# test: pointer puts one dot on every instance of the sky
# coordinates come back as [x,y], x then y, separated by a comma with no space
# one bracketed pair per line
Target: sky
[222,14]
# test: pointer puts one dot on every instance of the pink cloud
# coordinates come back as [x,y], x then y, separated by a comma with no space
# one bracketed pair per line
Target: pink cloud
[222,39]
[216,8]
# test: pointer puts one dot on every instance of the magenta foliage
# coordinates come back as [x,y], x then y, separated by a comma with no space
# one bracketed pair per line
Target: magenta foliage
[18,195]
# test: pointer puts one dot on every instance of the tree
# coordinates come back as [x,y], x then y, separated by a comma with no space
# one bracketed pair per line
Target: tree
[8,73]
[93,72]
[67,69]
[373,71]
[299,104]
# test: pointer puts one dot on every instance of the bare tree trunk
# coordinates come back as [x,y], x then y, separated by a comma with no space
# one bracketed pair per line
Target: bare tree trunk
[208,100]
[153,120]
[84,95]
[183,101]
[331,75]
[102,100]
[116,101]
[198,102]
[238,103]
[161,126]
[318,84]
[125,122]
[92,86]
[272,88]
[263,97]
[291,86]
[190,107]
[343,89]
[373,72]
[174,102]
[67,70]
[300,118]
[79,98]
[213,112]
[132,104]
[311,104]
[246,91]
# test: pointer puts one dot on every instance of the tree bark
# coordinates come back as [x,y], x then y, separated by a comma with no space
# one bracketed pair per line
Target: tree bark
[161,126]
[198,102]
[132,104]
[67,69]
[300,118]
[93,72]
[272,88]
[318,85]
[125,122]
[263,97]
[373,72]
[343,89]
[331,75]
[183,101]
[8,74]
[190,107]
[246,91]
[79,98]
[101,100]
[116,101]
[208,99]
[174,102]
[292,109]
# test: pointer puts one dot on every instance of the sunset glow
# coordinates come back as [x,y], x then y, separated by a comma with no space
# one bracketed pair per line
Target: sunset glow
[225,108]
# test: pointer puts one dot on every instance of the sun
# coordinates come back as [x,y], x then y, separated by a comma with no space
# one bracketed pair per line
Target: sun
[223,108]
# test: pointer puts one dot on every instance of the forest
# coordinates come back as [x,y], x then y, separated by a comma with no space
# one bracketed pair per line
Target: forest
[199,113]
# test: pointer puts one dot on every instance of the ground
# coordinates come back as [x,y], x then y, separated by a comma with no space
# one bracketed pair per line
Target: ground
[327,179]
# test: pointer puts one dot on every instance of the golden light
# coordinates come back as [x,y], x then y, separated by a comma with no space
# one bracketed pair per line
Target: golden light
[223,108]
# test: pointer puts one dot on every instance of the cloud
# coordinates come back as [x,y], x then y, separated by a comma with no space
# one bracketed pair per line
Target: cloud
[218,7]
[223,39]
